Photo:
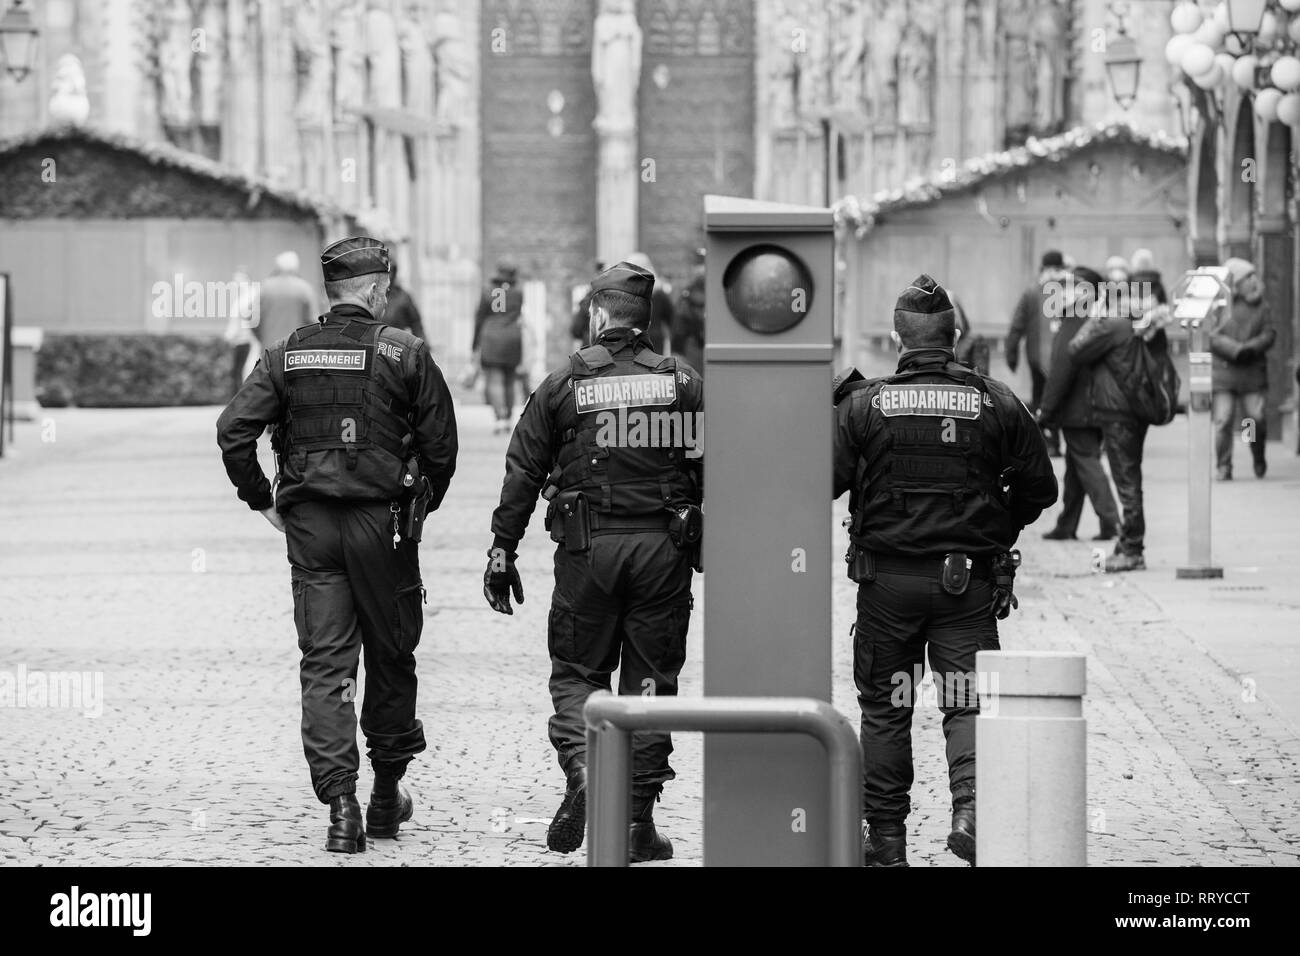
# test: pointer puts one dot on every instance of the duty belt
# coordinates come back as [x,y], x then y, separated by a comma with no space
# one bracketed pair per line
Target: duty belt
[929,566]
[626,524]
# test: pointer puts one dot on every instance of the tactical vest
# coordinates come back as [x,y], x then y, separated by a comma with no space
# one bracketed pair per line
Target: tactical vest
[937,443]
[335,398]
[623,432]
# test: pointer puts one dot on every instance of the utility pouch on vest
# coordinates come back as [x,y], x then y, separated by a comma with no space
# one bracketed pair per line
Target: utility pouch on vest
[955,575]
[862,566]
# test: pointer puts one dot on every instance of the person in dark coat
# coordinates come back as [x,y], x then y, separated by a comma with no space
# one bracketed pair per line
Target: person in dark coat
[401,312]
[1123,433]
[498,341]
[1066,403]
[1239,344]
[1031,323]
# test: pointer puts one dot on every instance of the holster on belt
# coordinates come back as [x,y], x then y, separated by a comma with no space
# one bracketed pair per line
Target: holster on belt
[862,566]
[568,518]
[686,530]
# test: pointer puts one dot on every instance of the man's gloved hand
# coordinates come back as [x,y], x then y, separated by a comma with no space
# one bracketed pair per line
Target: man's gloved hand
[1246,354]
[1003,602]
[500,579]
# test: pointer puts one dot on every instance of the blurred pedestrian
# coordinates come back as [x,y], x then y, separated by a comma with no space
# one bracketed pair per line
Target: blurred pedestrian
[285,301]
[1106,346]
[498,342]
[365,442]
[659,331]
[688,317]
[1036,313]
[402,312]
[1067,403]
[1240,338]
[239,330]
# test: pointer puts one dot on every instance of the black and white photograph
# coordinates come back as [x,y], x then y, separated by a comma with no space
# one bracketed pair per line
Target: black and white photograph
[354,504]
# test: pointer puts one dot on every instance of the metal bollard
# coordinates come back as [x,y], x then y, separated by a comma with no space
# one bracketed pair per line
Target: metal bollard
[1198,295]
[1031,768]
[611,720]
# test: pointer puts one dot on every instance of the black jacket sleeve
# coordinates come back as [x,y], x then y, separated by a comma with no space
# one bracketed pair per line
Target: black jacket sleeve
[258,404]
[1032,481]
[1020,320]
[433,422]
[845,449]
[1060,376]
[528,462]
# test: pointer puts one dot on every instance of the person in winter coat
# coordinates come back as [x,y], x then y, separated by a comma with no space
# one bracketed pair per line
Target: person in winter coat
[1123,433]
[1066,404]
[1239,342]
[1031,322]
[498,341]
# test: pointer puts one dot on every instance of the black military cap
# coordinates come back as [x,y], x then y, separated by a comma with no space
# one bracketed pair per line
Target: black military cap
[924,298]
[625,277]
[355,256]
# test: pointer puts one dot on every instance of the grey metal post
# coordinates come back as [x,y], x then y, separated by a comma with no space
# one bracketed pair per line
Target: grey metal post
[609,791]
[1201,291]
[1031,767]
[611,719]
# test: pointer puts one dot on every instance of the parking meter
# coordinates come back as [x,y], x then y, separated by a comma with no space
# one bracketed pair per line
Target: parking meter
[1200,297]
[767,539]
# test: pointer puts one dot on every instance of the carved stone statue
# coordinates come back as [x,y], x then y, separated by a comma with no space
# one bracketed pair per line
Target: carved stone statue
[882,76]
[312,58]
[616,65]
[350,80]
[849,54]
[417,61]
[1047,46]
[783,77]
[211,63]
[451,71]
[1018,103]
[383,55]
[69,103]
[175,57]
[915,78]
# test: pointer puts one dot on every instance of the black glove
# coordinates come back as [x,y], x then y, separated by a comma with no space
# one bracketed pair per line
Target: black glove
[1246,354]
[500,579]
[1003,601]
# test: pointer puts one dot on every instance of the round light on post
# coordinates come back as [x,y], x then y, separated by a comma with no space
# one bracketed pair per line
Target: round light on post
[18,41]
[1123,68]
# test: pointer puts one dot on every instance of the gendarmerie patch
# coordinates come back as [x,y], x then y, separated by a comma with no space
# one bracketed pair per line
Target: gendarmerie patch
[623,391]
[937,401]
[309,360]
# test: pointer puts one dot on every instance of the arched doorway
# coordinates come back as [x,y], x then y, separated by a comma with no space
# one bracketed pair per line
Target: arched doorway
[1203,188]
[1242,175]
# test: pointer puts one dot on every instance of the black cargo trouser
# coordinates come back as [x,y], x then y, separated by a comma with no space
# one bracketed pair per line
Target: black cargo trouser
[353,589]
[1124,441]
[900,617]
[625,603]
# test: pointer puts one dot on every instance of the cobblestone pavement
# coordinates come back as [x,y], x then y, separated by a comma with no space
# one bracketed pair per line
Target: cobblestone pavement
[124,553]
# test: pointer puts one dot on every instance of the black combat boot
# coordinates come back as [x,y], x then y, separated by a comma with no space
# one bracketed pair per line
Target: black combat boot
[644,842]
[962,838]
[567,829]
[390,804]
[345,834]
[886,844]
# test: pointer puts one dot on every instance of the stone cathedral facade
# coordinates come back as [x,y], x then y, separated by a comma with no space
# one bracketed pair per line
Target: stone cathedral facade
[557,132]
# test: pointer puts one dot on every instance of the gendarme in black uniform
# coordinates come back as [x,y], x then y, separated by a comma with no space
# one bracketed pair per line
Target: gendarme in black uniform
[359,409]
[622,585]
[938,461]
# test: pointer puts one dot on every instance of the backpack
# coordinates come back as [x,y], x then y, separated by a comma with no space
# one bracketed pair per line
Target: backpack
[1147,376]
